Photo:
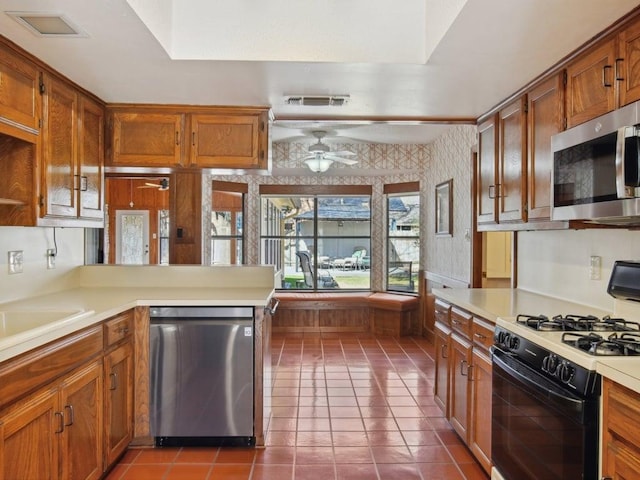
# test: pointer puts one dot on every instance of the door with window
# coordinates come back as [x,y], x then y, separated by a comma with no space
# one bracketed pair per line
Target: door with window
[132,237]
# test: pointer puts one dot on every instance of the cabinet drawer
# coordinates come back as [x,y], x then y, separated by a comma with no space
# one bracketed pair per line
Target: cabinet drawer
[622,412]
[482,332]
[118,328]
[442,312]
[461,321]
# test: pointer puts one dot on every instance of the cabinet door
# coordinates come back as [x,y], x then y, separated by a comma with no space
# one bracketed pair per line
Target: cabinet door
[460,385]
[545,117]
[627,67]
[487,171]
[91,159]
[591,84]
[480,428]
[227,141]
[512,173]
[20,100]
[118,401]
[59,149]
[147,139]
[82,407]
[29,446]
[620,462]
[442,354]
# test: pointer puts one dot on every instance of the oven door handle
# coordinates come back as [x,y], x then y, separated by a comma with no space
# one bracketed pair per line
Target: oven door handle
[537,382]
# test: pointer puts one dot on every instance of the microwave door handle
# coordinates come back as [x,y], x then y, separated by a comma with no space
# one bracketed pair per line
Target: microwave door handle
[621,187]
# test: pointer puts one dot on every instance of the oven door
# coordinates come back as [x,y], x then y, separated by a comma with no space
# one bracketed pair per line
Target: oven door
[539,429]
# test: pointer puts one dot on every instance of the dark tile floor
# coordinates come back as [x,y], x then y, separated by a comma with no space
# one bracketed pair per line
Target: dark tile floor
[348,406]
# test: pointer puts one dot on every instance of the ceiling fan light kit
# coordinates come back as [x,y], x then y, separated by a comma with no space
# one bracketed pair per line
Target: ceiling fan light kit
[318,164]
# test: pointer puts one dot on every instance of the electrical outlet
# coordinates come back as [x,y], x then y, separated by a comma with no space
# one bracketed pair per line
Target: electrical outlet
[595,264]
[16,260]
[51,258]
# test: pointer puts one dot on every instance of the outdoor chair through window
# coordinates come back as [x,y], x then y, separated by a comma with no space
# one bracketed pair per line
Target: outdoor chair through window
[325,280]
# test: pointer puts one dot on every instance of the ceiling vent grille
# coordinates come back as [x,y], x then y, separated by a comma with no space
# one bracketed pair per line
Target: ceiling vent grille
[317,100]
[47,24]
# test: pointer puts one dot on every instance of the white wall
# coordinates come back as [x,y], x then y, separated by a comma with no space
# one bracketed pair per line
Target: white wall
[556,262]
[34,242]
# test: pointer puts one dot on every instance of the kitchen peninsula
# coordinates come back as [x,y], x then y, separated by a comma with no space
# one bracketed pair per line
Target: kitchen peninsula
[90,339]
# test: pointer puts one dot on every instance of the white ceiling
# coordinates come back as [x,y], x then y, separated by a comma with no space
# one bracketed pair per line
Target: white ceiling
[489,50]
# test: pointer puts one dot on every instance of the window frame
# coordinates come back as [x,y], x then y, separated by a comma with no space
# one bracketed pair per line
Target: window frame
[314,192]
[243,190]
[394,190]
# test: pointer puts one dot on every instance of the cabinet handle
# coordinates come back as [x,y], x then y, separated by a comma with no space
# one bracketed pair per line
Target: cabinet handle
[462,372]
[177,138]
[61,423]
[71,416]
[479,336]
[83,183]
[123,330]
[618,69]
[114,381]
[193,139]
[456,322]
[604,76]
[442,351]
[271,309]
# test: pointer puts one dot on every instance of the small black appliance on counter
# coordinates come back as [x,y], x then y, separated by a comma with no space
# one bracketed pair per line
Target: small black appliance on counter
[624,283]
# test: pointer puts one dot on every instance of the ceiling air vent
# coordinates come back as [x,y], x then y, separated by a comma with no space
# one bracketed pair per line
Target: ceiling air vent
[47,24]
[317,100]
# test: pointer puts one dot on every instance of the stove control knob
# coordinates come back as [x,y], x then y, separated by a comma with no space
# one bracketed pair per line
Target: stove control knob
[503,339]
[514,343]
[550,364]
[565,372]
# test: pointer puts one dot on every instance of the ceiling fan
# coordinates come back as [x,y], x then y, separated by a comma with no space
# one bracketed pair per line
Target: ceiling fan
[162,186]
[321,157]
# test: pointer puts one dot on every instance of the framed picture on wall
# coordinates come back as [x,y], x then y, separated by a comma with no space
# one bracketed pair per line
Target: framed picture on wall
[444,208]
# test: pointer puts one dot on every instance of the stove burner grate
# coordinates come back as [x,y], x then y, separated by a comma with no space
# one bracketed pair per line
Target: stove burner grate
[577,323]
[625,344]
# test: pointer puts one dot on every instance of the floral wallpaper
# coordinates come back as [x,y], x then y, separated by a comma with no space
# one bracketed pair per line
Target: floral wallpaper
[448,157]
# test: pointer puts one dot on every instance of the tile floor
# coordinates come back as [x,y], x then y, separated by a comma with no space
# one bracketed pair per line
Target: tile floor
[347,406]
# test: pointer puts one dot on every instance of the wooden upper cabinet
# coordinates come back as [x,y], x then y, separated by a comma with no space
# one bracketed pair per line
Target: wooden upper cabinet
[20,99]
[512,156]
[486,188]
[628,64]
[228,141]
[606,77]
[188,137]
[545,118]
[60,149]
[72,177]
[147,139]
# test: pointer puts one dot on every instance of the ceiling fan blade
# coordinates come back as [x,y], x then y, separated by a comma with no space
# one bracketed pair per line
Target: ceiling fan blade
[343,153]
[345,161]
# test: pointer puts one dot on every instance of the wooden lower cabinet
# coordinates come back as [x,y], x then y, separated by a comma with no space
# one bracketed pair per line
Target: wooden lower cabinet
[463,377]
[56,433]
[442,353]
[118,407]
[621,432]
[460,385]
[480,424]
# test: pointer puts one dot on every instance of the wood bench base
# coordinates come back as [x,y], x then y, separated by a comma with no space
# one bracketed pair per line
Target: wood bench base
[379,313]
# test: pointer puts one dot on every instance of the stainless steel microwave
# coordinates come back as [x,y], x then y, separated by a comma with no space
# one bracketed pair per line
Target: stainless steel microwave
[596,173]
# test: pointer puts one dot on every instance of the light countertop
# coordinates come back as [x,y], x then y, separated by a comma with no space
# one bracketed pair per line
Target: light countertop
[100,292]
[492,304]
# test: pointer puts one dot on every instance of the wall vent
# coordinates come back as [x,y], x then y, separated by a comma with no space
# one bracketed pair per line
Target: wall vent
[317,100]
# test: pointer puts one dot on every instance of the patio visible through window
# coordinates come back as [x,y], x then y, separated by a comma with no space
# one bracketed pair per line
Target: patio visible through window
[319,242]
[403,242]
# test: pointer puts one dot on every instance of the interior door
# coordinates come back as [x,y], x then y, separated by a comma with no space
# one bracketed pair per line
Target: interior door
[132,237]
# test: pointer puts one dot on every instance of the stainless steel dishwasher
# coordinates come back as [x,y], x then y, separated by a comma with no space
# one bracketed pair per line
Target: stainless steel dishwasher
[201,364]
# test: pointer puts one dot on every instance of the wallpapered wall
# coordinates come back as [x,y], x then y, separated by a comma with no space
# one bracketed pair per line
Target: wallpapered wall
[448,157]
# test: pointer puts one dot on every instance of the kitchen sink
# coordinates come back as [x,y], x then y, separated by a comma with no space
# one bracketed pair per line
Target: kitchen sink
[14,322]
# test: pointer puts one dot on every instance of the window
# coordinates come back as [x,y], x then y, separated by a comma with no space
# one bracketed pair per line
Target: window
[403,236]
[227,223]
[319,241]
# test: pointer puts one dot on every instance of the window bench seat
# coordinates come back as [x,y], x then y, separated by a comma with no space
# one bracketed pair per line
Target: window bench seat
[375,312]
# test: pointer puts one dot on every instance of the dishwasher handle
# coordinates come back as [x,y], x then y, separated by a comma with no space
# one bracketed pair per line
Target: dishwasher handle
[272,307]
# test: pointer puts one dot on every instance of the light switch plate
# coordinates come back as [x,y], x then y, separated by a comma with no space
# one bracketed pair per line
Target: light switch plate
[16,259]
